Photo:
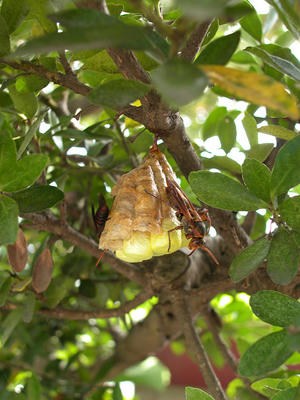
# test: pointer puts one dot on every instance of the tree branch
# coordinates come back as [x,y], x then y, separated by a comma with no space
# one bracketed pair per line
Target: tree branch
[50,224]
[194,42]
[195,346]
[62,313]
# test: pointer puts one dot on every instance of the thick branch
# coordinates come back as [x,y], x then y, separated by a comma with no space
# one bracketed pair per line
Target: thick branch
[62,313]
[68,81]
[194,42]
[50,224]
[195,346]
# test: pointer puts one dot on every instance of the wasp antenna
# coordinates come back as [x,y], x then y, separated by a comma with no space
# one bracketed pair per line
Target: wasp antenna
[100,257]
[154,148]
[210,253]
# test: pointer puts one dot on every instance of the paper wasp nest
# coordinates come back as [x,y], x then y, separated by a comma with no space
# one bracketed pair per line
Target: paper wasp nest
[140,218]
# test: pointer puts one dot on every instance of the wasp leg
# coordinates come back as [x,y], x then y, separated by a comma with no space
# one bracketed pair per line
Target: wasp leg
[172,230]
[100,257]
[210,253]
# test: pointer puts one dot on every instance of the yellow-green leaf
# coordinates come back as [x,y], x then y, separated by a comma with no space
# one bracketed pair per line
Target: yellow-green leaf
[254,88]
[278,131]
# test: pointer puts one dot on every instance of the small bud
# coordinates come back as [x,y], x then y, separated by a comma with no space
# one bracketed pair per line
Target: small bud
[42,271]
[17,252]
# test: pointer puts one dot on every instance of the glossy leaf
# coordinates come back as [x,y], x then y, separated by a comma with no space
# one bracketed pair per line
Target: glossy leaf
[4,290]
[278,57]
[33,388]
[42,271]
[179,82]
[287,394]
[208,185]
[201,10]
[250,127]
[192,393]
[254,88]
[283,257]
[275,308]
[211,124]
[257,177]
[249,259]
[223,163]
[17,253]
[30,83]
[58,289]
[220,50]
[118,93]
[289,211]
[88,29]
[286,171]
[252,25]
[28,307]
[25,103]
[278,131]
[288,15]
[9,324]
[4,38]
[265,355]
[227,134]
[8,220]
[260,151]
[25,173]
[12,11]
[37,198]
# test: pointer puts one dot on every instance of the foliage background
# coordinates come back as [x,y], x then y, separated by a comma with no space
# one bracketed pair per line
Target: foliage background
[68,132]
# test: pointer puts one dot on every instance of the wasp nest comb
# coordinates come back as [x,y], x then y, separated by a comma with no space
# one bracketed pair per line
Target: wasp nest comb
[141,216]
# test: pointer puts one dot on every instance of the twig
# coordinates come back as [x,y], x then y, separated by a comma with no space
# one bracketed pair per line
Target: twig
[196,347]
[65,63]
[131,155]
[62,313]
[194,43]
[249,222]
[50,224]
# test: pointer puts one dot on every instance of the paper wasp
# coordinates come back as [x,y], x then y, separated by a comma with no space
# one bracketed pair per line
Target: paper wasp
[100,217]
[194,222]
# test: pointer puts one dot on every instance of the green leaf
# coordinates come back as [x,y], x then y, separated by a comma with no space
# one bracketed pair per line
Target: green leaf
[211,124]
[39,10]
[4,38]
[179,82]
[287,394]
[220,191]
[227,133]
[26,103]
[28,307]
[242,57]
[220,50]
[289,211]
[252,25]
[30,83]
[33,388]
[9,324]
[249,259]
[25,173]
[8,220]
[280,58]
[275,308]
[57,290]
[89,29]
[192,393]
[117,394]
[223,163]
[118,93]
[250,127]
[278,131]
[257,177]
[212,30]
[260,151]
[283,257]
[13,12]
[30,134]
[286,171]
[288,14]
[37,198]
[265,355]
[254,88]
[266,386]
[4,290]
